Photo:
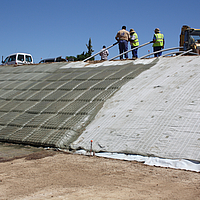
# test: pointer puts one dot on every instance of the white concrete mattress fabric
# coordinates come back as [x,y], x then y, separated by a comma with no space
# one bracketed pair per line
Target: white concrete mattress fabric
[157,114]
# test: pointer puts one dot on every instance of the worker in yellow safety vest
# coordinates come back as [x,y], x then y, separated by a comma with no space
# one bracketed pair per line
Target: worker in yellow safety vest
[134,42]
[158,42]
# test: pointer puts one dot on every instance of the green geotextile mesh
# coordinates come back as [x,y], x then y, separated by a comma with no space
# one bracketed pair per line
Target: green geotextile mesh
[47,105]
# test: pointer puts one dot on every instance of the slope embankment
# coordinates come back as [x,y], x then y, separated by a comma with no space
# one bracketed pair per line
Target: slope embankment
[145,107]
[49,105]
[155,114]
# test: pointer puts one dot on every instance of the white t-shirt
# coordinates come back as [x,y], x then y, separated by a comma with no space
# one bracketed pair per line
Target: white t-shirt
[104,55]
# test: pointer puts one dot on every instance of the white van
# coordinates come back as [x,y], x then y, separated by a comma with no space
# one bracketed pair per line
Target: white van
[18,59]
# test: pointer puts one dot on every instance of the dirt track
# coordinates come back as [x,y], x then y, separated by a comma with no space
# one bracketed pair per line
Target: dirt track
[54,175]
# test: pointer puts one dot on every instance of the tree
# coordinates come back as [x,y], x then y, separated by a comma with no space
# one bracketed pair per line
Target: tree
[89,47]
[81,57]
[84,55]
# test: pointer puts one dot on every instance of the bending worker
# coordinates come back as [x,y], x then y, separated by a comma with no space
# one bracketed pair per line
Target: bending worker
[158,42]
[123,37]
[104,54]
[134,43]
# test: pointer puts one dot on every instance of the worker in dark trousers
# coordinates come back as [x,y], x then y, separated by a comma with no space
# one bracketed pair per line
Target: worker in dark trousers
[158,42]
[134,43]
[123,37]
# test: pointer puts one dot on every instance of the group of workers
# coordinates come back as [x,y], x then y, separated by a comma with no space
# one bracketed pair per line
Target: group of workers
[123,37]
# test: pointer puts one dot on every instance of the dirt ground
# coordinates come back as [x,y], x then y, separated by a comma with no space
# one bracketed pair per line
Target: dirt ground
[48,174]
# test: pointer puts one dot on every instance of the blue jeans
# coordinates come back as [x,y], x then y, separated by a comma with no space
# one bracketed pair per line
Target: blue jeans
[123,47]
[134,52]
[157,49]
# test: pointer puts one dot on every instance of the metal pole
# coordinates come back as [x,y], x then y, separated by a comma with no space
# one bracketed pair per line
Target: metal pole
[130,50]
[184,52]
[179,53]
[160,51]
[175,52]
[100,51]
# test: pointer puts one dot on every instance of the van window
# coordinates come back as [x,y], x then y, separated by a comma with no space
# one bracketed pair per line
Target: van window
[28,58]
[49,60]
[6,60]
[12,58]
[20,57]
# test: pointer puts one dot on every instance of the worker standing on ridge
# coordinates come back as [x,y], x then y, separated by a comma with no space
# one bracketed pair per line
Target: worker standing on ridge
[104,54]
[123,37]
[134,43]
[158,42]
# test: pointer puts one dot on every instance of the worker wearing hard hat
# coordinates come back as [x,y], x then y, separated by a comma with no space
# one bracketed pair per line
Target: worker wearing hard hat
[134,43]
[158,42]
[123,37]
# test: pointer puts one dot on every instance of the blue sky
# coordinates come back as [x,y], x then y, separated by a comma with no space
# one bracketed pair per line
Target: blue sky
[51,28]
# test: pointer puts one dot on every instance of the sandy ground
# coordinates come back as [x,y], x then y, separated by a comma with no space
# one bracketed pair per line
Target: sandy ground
[54,175]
